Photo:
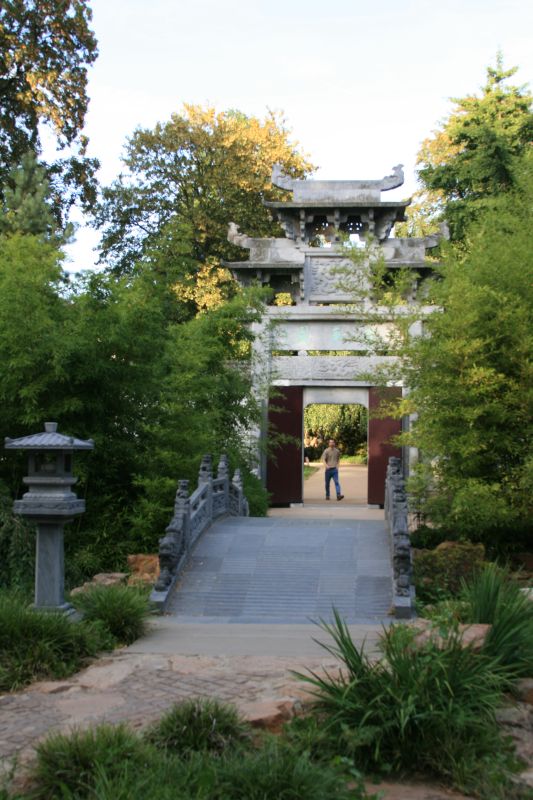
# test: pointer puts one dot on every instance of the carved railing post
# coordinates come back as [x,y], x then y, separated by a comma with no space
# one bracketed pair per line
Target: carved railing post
[223,474]
[396,515]
[182,509]
[237,482]
[205,476]
[175,543]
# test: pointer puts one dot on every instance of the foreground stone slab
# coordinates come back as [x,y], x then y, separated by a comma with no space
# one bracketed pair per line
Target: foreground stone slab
[413,791]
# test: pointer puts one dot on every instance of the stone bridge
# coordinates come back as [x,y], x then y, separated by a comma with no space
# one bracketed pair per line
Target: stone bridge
[219,565]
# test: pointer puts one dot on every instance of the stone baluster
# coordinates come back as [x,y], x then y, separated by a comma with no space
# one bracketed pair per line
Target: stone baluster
[183,509]
[205,477]
[237,482]
[223,473]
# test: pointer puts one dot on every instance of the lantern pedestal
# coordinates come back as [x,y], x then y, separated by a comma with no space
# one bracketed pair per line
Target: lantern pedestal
[50,568]
[51,504]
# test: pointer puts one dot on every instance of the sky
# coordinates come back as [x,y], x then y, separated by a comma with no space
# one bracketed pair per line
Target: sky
[360,84]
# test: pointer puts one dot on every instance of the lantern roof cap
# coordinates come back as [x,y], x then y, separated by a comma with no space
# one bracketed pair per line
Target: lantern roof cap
[50,439]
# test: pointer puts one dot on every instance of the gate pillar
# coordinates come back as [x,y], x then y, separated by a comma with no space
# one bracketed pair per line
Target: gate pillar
[284,466]
[380,431]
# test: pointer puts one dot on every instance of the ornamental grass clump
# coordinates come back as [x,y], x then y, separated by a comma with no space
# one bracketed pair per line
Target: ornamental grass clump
[113,762]
[123,610]
[70,765]
[427,708]
[494,598]
[200,725]
[36,644]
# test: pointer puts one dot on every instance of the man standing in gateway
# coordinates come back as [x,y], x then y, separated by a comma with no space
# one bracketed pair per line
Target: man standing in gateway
[331,457]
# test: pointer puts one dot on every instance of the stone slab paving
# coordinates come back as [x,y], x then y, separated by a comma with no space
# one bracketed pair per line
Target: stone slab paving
[139,688]
[287,570]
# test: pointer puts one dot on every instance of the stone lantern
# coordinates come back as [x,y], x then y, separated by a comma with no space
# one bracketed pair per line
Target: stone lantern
[51,504]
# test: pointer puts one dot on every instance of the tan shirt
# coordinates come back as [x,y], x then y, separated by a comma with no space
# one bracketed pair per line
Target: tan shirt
[331,457]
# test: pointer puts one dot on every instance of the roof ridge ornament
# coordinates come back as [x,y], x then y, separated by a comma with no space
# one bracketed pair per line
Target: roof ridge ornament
[315,190]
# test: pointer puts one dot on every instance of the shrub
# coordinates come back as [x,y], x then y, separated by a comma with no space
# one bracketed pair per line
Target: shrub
[439,573]
[200,725]
[255,493]
[427,538]
[494,598]
[17,548]
[123,610]
[36,644]
[68,765]
[447,613]
[427,708]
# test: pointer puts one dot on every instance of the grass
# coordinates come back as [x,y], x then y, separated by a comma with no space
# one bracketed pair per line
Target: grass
[108,763]
[36,645]
[200,725]
[360,460]
[428,709]
[124,610]
[69,764]
[492,597]
[308,471]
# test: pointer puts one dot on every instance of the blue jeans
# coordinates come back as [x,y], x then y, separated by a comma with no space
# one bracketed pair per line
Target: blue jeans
[332,472]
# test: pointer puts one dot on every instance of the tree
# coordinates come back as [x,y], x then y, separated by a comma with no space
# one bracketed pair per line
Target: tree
[465,360]
[190,177]
[347,424]
[31,317]
[26,207]
[470,378]
[471,158]
[206,405]
[46,47]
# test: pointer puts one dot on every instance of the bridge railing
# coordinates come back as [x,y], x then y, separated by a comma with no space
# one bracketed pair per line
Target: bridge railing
[396,518]
[193,513]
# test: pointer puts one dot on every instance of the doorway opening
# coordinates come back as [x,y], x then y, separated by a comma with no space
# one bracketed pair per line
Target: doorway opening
[347,424]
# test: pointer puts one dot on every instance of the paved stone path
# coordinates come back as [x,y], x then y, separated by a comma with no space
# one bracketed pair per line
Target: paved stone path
[287,570]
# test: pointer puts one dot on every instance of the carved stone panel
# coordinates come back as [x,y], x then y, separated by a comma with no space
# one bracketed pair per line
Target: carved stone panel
[298,369]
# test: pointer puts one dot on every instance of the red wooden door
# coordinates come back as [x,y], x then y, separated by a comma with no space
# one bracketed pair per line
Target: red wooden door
[380,432]
[284,467]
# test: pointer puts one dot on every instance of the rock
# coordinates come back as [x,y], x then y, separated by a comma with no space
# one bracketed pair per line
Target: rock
[144,568]
[109,578]
[269,715]
[518,715]
[525,560]
[470,635]
[524,690]
[102,579]
[389,790]
[525,779]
